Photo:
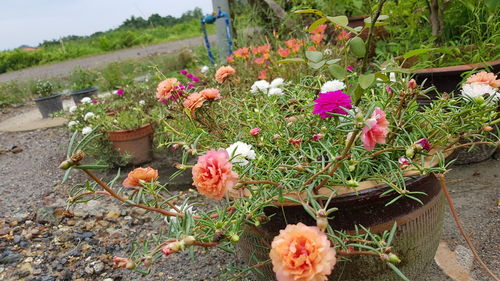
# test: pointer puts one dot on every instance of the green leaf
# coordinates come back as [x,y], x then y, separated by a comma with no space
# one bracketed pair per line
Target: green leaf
[316,23]
[366,80]
[357,47]
[332,61]
[380,18]
[339,20]
[314,56]
[397,271]
[292,60]
[316,65]
[392,233]
[357,94]
[382,77]
[337,71]
[70,145]
[417,52]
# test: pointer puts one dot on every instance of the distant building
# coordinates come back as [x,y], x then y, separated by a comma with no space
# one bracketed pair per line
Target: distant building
[27,48]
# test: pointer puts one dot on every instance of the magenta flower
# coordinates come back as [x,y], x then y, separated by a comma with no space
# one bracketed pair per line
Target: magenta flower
[189,86]
[350,68]
[183,72]
[119,92]
[317,137]
[424,144]
[195,79]
[332,102]
[376,129]
[94,101]
[403,162]
[254,131]
[388,89]
[190,75]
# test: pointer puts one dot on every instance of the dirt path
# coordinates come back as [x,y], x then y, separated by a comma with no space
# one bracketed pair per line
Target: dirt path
[57,69]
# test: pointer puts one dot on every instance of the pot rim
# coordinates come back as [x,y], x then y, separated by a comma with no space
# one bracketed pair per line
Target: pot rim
[128,131]
[84,91]
[46,98]
[457,68]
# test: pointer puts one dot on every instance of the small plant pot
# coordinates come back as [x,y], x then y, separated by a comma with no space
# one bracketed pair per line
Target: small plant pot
[80,94]
[137,143]
[49,105]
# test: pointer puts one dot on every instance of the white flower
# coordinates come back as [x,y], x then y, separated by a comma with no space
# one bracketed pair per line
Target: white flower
[241,152]
[261,85]
[275,92]
[142,102]
[328,52]
[73,109]
[392,77]
[86,100]
[88,115]
[332,86]
[204,69]
[184,209]
[277,82]
[72,123]
[86,130]
[474,90]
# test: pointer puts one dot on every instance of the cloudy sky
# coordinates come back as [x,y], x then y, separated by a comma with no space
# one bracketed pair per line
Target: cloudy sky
[31,22]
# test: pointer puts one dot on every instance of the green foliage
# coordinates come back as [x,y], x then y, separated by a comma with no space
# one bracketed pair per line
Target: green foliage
[80,78]
[13,92]
[42,88]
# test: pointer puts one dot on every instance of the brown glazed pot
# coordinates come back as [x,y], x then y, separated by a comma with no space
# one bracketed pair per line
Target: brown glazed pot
[416,240]
[137,143]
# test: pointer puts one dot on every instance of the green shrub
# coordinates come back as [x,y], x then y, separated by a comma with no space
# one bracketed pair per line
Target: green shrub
[42,88]
[82,78]
[13,92]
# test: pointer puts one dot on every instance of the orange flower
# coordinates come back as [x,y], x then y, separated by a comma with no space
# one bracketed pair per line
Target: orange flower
[302,253]
[165,88]
[262,49]
[260,60]
[242,53]
[320,29]
[317,37]
[263,75]
[284,52]
[139,175]
[194,101]
[293,44]
[213,175]
[486,78]
[223,73]
[211,93]
[343,36]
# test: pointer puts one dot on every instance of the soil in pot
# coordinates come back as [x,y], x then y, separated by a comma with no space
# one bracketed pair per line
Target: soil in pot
[417,238]
[80,94]
[49,105]
[136,143]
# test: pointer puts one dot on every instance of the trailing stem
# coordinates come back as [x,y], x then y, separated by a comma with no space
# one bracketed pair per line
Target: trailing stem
[442,183]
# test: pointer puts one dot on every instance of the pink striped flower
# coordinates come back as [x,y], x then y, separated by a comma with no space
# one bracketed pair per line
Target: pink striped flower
[376,130]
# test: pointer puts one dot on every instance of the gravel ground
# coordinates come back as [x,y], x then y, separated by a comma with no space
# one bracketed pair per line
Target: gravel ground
[40,241]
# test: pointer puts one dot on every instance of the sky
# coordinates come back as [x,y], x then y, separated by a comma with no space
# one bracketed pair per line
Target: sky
[29,22]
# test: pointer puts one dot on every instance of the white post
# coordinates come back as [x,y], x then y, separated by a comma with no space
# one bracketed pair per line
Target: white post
[220,25]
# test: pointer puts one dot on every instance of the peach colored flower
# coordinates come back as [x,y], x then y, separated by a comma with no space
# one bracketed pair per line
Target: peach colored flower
[302,253]
[120,262]
[194,101]
[242,52]
[230,58]
[376,130]
[211,93]
[223,73]
[293,44]
[343,36]
[260,60]
[165,88]
[320,29]
[317,37]
[485,78]
[139,175]
[263,75]
[311,48]
[213,175]
[283,52]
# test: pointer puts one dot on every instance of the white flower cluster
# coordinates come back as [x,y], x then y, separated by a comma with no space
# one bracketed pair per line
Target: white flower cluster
[86,100]
[204,69]
[332,86]
[241,152]
[72,123]
[88,115]
[475,90]
[270,89]
[86,130]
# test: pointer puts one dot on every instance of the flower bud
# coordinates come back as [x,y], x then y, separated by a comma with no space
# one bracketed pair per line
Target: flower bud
[324,129]
[235,237]
[276,136]
[171,248]
[410,152]
[66,164]
[352,183]
[189,240]
[322,223]
[393,258]
[123,263]
[487,128]
[412,84]
[254,132]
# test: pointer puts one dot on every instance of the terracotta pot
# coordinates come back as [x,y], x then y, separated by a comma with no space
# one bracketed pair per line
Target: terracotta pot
[136,143]
[416,241]
[447,79]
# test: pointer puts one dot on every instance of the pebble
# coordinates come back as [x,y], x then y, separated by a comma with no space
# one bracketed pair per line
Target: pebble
[46,215]
[17,239]
[8,257]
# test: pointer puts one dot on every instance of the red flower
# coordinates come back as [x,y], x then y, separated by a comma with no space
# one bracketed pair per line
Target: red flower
[254,131]
[283,52]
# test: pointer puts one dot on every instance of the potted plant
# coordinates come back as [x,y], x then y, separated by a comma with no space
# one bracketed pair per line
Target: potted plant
[311,174]
[46,101]
[82,84]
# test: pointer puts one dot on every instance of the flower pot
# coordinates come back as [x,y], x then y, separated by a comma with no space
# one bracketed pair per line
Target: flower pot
[137,143]
[447,79]
[49,105]
[80,94]
[416,240]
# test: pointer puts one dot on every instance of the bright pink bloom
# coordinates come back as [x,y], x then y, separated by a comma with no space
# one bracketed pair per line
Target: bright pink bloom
[403,162]
[189,75]
[350,68]
[119,92]
[183,72]
[195,79]
[302,253]
[376,130]
[424,144]
[283,52]
[332,102]
[213,175]
[317,137]
[94,101]
[254,131]
[230,58]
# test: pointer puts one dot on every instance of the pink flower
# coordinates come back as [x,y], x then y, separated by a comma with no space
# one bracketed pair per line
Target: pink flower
[376,129]
[403,162]
[332,102]
[293,44]
[302,253]
[260,60]
[320,29]
[230,58]
[94,101]
[223,73]
[350,68]
[317,137]
[211,94]
[119,92]
[317,37]
[343,36]
[485,78]
[165,88]
[171,248]
[423,143]
[283,52]
[119,262]
[183,72]
[388,89]
[254,131]
[412,84]
[263,75]
[189,75]
[295,142]
[213,175]
[195,79]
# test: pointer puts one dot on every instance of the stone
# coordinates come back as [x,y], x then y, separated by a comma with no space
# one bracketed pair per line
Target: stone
[17,239]
[8,257]
[46,215]
[108,279]
[47,278]
[113,214]
[26,267]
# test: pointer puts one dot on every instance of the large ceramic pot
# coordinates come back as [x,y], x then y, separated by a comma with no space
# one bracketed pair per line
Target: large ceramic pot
[447,79]
[136,143]
[49,105]
[416,242]
[80,94]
